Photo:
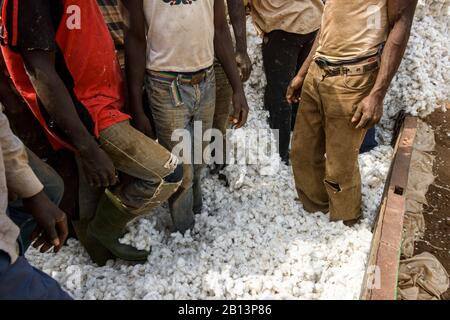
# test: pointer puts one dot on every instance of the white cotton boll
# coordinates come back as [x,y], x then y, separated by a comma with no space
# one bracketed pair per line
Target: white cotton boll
[253,240]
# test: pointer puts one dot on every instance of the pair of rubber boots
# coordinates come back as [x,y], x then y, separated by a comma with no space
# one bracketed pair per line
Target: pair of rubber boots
[101,235]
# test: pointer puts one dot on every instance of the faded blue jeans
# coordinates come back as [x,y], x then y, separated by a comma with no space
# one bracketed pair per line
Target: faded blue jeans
[176,104]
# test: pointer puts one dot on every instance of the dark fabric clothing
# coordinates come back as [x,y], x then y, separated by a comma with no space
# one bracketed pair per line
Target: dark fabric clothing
[20,281]
[369,141]
[28,32]
[283,55]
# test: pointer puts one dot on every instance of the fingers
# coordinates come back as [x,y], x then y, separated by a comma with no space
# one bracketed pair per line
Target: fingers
[63,232]
[39,241]
[104,179]
[234,118]
[364,121]
[109,178]
[52,235]
[291,95]
[90,180]
[112,180]
[246,70]
[294,90]
[42,243]
[243,118]
[36,232]
[358,114]
[46,247]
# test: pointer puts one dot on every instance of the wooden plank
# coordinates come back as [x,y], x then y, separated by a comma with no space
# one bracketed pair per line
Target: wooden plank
[380,280]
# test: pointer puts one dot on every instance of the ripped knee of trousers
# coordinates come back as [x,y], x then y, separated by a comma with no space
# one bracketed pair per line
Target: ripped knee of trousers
[176,176]
[334,186]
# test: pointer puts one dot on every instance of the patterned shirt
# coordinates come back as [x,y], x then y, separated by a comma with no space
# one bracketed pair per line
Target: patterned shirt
[111,13]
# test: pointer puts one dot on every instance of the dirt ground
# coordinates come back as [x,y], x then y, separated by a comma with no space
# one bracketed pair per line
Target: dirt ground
[437,213]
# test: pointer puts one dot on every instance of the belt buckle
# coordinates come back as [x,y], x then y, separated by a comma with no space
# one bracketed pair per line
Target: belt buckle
[322,63]
[197,78]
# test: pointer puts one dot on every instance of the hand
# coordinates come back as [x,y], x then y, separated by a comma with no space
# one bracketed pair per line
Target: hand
[143,124]
[244,65]
[240,113]
[368,113]
[295,89]
[98,167]
[51,230]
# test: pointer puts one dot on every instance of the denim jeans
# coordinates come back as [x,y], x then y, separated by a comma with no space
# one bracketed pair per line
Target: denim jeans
[21,281]
[369,141]
[53,188]
[196,103]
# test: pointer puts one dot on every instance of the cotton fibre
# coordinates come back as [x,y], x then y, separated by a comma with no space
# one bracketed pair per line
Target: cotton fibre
[253,239]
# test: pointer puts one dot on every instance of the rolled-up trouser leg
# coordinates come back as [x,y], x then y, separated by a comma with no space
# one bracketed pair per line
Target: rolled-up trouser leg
[146,161]
[155,174]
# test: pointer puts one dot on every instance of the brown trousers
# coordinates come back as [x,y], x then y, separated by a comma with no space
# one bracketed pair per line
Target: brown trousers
[326,144]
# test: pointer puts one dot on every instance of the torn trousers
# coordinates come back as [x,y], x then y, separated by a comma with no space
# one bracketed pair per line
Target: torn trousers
[326,144]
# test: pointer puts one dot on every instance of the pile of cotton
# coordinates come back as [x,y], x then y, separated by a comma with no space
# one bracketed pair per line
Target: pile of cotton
[423,81]
[253,240]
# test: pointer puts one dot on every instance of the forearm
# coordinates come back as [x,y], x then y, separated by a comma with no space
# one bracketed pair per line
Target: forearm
[58,103]
[401,16]
[304,69]
[224,52]
[236,11]
[390,60]
[135,62]
[135,53]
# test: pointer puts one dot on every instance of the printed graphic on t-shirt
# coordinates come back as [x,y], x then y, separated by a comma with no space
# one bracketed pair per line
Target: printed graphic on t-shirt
[177,2]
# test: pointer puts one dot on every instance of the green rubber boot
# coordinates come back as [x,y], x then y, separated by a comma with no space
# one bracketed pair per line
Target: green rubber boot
[108,226]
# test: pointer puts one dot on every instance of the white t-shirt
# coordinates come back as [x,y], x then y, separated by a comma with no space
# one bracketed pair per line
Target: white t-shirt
[180,35]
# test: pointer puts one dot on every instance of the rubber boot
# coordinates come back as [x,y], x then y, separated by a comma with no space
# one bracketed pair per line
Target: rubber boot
[98,253]
[108,226]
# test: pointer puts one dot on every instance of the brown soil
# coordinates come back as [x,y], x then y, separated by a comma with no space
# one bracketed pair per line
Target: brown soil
[437,213]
